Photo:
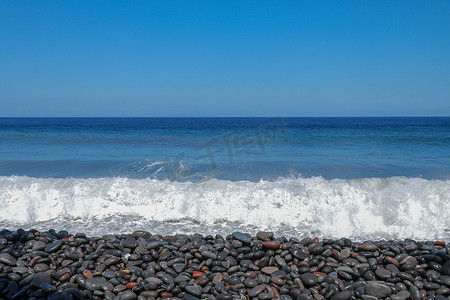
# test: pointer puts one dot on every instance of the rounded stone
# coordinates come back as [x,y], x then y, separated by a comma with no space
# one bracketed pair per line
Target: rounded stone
[265,296]
[264,235]
[95,283]
[402,295]
[127,295]
[7,259]
[446,267]
[130,242]
[271,245]
[392,261]
[256,290]
[378,290]
[55,246]
[40,278]
[40,267]
[344,295]
[193,290]
[87,274]
[269,270]
[48,288]
[131,285]
[368,247]
[308,279]
[383,274]
[242,237]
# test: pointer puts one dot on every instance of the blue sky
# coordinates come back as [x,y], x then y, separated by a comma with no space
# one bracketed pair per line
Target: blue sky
[224,58]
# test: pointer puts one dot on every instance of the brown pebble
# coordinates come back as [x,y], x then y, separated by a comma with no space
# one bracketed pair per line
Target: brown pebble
[277,280]
[362,265]
[333,265]
[202,280]
[285,246]
[318,297]
[66,262]
[197,274]
[409,259]
[411,248]
[170,237]
[166,295]
[64,277]
[368,247]
[392,260]
[269,270]
[52,260]
[298,282]
[439,243]
[34,261]
[264,235]
[275,294]
[87,274]
[148,294]
[131,285]
[204,268]
[320,274]
[217,278]
[335,254]
[423,294]
[271,245]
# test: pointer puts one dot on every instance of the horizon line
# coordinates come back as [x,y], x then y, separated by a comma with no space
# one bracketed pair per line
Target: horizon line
[276,116]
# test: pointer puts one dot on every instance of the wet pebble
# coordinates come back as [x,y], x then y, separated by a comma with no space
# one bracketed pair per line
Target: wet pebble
[53,247]
[271,245]
[402,295]
[378,290]
[193,290]
[48,288]
[344,295]
[308,279]
[59,265]
[7,259]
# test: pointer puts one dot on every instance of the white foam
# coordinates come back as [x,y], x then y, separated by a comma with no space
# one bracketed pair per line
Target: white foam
[368,208]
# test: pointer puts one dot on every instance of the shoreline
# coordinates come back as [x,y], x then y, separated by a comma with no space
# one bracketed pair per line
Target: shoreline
[58,265]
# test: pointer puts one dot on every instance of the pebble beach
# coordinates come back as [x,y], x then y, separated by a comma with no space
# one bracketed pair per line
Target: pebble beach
[224,150]
[60,265]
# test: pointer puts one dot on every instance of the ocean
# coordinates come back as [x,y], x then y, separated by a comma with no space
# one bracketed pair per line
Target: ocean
[359,178]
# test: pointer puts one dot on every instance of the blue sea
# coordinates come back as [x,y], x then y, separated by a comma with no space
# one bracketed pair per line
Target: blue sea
[360,178]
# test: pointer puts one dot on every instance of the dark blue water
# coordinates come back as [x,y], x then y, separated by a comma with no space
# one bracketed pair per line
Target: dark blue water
[362,178]
[226,148]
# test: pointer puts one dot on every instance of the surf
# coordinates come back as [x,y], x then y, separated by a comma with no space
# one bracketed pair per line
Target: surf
[365,208]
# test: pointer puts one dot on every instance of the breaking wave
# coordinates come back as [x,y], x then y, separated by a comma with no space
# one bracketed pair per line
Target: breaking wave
[366,208]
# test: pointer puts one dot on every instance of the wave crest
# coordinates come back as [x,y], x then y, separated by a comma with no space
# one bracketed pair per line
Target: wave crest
[366,208]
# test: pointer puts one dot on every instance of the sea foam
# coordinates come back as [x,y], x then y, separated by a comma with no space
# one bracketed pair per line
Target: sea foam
[367,208]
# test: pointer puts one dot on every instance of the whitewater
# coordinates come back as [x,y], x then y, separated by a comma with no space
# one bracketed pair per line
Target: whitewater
[360,209]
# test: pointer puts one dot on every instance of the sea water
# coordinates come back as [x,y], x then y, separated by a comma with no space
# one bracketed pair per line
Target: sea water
[361,178]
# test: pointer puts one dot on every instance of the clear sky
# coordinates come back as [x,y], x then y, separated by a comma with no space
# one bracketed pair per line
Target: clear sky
[224,58]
